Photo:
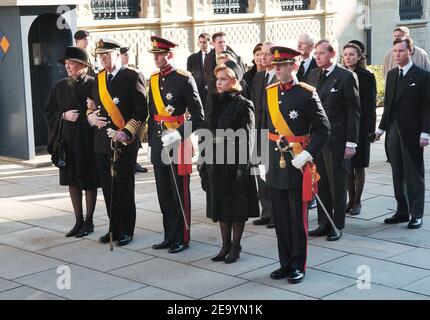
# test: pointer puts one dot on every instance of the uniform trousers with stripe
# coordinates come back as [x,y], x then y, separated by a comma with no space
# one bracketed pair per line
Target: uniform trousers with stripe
[173,219]
[291,224]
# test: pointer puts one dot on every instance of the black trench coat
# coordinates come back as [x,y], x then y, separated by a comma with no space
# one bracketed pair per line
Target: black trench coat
[78,137]
[229,199]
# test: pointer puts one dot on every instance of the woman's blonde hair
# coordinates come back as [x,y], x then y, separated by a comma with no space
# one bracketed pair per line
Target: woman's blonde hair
[231,74]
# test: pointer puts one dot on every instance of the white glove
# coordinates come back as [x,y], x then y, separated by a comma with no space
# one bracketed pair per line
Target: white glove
[262,169]
[300,160]
[110,132]
[170,137]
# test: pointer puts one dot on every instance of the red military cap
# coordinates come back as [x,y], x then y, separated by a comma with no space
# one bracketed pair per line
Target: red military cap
[283,55]
[161,45]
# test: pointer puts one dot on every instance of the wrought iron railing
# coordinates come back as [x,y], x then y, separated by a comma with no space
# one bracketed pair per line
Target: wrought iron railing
[115,9]
[411,9]
[230,6]
[290,5]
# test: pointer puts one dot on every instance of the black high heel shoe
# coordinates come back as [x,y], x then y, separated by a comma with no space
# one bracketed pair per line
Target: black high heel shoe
[222,254]
[233,255]
[75,230]
[87,228]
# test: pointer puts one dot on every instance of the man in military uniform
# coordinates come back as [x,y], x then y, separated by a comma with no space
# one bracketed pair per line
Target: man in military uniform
[172,93]
[120,97]
[296,120]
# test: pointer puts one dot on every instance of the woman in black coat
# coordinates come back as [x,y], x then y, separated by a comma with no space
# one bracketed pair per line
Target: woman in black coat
[354,59]
[231,191]
[65,111]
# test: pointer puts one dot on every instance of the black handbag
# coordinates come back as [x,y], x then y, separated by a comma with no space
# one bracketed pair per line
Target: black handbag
[58,157]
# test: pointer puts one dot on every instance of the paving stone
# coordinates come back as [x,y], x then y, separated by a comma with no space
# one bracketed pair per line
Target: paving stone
[151,293]
[245,263]
[26,293]
[376,207]
[85,284]
[400,234]
[35,239]
[382,272]
[363,246]
[376,292]
[318,255]
[172,276]
[421,286]
[418,257]
[7,285]
[21,211]
[261,245]
[363,228]
[8,226]
[256,291]
[316,284]
[94,255]
[18,263]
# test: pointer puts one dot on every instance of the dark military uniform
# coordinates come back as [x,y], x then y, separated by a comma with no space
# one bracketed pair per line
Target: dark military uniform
[301,109]
[179,94]
[128,92]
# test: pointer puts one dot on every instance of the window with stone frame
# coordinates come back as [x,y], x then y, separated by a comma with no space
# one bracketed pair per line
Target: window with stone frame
[291,5]
[115,9]
[411,9]
[230,6]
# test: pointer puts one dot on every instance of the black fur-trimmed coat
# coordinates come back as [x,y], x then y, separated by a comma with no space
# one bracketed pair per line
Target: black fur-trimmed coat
[231,191]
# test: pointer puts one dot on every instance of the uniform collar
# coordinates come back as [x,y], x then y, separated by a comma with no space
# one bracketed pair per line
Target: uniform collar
[289,85]
[166,70]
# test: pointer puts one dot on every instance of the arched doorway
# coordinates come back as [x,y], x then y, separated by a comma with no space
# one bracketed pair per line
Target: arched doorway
[46,43]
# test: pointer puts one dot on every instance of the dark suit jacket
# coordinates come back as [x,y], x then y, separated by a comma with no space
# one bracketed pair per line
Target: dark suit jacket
[410,105]
[128,87]
[258,98]
[341,101]
[312,65]
[196,67]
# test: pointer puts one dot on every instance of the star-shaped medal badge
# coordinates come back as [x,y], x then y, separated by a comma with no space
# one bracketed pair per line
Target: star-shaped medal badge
[169,96]
[294,114]
[116,100]
[170,109]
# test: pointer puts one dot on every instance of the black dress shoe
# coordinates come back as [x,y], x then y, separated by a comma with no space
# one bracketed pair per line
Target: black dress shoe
[139,168]
[105,238]
[319,232]
[261,222]
[163,245]
[356,209]
[222,254]
[86,229]
[332,236]
[75,229]
[124,240]
[415,223]
[295,276]
[176,247]
[270,225]
[280,273]
[397,218]
[233,255]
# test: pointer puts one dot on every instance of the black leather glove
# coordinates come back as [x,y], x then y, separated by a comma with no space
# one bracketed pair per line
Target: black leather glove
[203,176]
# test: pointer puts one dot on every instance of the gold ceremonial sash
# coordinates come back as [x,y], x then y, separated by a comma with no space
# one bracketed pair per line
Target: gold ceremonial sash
[108,103]
[277,118]
[159,103]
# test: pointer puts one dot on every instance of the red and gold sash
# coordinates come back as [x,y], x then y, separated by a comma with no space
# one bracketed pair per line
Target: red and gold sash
[172,122]
[310,175]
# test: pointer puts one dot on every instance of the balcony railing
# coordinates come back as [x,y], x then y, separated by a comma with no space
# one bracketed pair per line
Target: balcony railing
[290,5]
[411,9]
[115,9]
[230,6]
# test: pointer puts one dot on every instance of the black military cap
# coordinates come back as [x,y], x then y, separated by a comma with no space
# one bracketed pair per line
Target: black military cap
[105,45]
[76,54]
[124,50]
[81,34]
[236,69]
[161,45]
[283,55]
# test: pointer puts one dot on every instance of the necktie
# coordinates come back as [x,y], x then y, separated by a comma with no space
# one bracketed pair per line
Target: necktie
[301,72]
[266,79]
[109,80]
[323,78]
[401,74]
